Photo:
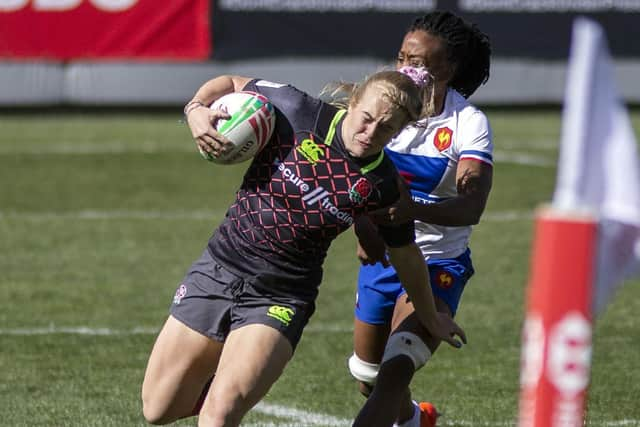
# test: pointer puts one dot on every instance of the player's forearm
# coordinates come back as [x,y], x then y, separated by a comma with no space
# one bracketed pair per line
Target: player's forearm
[473,184]
[454,212]
[219,86]
[412,271]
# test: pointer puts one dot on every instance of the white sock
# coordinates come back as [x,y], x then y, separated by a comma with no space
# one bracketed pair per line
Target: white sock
[411,422]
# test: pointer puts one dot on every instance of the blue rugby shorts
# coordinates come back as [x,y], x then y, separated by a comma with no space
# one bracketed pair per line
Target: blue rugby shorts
[379,287]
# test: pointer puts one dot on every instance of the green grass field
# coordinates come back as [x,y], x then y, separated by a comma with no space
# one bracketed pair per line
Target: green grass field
[102,213]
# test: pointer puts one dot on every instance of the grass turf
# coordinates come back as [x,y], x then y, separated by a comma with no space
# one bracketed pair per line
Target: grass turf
[101,214]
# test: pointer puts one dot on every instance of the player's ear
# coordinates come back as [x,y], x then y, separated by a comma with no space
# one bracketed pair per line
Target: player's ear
[351,105]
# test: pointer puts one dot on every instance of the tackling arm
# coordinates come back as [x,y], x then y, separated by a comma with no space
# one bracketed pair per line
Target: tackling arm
[473,180]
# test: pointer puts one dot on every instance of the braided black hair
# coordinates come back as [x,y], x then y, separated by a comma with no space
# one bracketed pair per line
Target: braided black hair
[467,47]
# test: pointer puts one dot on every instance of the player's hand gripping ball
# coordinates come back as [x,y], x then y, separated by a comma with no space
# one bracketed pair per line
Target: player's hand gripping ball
[249,128]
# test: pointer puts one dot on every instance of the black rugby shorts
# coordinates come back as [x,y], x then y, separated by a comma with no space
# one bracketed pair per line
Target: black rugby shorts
[213,301]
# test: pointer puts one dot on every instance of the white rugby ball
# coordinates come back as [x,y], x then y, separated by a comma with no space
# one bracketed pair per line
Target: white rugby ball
[249,128]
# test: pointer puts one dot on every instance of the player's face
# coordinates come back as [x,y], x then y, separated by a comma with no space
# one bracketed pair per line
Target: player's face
[421,49]
[371,123]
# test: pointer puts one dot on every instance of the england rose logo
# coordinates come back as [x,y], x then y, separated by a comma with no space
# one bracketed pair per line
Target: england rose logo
[360,191]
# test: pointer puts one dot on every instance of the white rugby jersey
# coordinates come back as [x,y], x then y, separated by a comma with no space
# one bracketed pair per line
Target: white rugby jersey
[427,157]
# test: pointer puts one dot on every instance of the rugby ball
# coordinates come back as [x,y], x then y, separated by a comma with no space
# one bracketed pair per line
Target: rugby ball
[249,128]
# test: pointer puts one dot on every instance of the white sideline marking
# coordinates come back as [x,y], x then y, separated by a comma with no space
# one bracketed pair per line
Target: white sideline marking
[79,330]
[115,214]
[505,216]
[86,148]
[302,418]
[213,214]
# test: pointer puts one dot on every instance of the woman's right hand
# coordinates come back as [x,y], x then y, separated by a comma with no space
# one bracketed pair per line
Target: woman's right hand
[202,121]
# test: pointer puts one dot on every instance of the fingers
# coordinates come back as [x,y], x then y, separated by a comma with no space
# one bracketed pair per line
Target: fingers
[373,261]
[220,114]
[448,330]
[453,342]
[209,141]
[461,334]
[365,260]
[214,145]
[456,331]
[209,144]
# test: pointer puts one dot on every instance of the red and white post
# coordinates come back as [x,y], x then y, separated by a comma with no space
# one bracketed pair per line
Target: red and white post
[556,340]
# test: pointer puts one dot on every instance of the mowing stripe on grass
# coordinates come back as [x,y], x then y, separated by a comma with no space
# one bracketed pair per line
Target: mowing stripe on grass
[79,330]
[525,159]
[529,144]
[621,423]
[140,330]
[150,147]
[114,215]
[506,216]
[93,148]
[496,216]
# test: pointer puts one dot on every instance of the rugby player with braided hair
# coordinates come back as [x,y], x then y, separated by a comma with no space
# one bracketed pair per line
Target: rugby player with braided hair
[446,161]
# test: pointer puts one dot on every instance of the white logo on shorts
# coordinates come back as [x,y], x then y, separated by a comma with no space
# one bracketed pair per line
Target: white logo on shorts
[180,293]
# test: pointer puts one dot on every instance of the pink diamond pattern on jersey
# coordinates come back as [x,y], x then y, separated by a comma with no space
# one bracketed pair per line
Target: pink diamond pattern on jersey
[304,206]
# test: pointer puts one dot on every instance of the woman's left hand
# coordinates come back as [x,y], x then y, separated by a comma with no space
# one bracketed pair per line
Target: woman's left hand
[370,246]
[446,329]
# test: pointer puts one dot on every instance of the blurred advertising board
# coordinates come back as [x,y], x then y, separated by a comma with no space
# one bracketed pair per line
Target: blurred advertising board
[536,29]
[105,29]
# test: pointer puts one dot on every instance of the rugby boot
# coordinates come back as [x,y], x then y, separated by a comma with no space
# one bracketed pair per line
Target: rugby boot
[428,414]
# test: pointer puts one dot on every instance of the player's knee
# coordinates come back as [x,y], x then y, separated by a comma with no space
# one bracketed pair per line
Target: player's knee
[222,410]
[157,409]
[365,372]
[407,344]
[155,413]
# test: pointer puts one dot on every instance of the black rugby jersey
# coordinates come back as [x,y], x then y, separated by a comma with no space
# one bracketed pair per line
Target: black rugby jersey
[298,194]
